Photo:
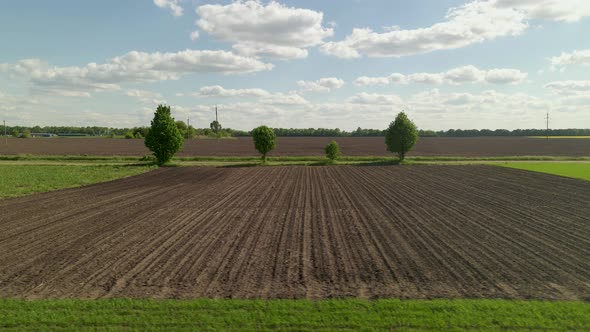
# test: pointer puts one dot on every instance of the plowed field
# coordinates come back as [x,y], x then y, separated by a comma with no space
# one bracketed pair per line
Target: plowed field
[303,232]
[308,146]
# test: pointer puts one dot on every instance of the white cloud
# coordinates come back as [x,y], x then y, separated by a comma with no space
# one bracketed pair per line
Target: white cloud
[255,49]
[262,96]
[555,10]
[366,80]
[505,76]
[284,99]
[473,22]
[424,78]
[325,84]
[376,99]
[219,91]
[131,67]
[574,58]
[172,5]
[146,97]
[271,30]
[569,87]
[194,35]
[459,75]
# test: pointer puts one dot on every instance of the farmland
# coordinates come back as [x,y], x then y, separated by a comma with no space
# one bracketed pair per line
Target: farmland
[303,232]
[307,146]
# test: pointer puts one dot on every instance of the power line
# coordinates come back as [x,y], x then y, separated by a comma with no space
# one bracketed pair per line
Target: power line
[547,132]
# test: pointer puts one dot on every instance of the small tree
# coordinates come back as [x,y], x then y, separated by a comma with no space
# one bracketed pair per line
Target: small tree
[215,126]
[401,135]
[26,134]
[264,140]
[129,135]
[332,151]
[163,139]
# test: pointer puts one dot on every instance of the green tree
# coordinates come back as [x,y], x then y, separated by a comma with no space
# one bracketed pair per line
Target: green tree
[401,135]
[332,151]
[129,135]
[163,139]
[14,133]
[26,134]
[191,132]
[215,126]
[264,140]
[182,127]
[140,132]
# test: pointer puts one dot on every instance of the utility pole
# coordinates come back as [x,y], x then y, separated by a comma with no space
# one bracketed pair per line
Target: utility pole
[216,113]
[547,132]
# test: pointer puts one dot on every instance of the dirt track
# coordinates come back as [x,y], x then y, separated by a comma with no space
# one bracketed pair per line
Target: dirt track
[303,232]
[307,146]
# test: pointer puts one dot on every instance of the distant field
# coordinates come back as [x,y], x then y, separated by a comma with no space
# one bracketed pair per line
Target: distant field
[572,170]
[20,180]
[306,146]
[294,315]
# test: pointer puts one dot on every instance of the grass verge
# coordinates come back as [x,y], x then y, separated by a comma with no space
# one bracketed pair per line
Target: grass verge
[299,315]
[572,170]
[20,180]
[551,137]
[272,161]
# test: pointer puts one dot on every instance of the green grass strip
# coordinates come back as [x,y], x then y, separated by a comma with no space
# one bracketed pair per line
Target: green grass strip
[20,180]
[572,170]
[27,157]
[299,315]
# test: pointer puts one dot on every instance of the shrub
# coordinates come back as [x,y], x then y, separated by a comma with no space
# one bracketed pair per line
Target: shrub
[332,151]
[264,140]
[129,135]
[163,139]
[26,134]
[401,135]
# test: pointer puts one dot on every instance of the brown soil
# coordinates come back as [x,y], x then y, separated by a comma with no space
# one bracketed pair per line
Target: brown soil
[307,146]
[303,232]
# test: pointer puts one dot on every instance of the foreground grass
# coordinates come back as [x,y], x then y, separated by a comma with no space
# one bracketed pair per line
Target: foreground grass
[572,170]
[300,315]
[20,180]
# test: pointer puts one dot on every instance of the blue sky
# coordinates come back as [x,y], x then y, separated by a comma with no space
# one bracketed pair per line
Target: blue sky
[333,63]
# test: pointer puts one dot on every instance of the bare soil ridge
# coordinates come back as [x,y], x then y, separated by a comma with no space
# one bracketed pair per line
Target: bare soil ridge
[308,146]
[303,232]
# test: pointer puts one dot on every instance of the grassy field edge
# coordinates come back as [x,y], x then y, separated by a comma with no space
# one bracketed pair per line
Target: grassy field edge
[572,170]
[21,180]
[309,159]
[212,314]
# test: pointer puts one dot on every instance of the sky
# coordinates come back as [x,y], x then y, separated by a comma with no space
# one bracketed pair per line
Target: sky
[297,64]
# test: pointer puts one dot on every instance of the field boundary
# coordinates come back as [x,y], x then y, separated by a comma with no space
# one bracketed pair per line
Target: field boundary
[272,161]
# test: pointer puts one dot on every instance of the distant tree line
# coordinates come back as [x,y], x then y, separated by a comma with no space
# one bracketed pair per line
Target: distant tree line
[503,132]
[191,132]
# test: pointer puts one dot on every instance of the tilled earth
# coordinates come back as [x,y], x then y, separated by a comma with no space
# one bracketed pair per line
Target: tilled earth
[303,232]
[307,146]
